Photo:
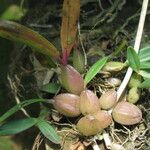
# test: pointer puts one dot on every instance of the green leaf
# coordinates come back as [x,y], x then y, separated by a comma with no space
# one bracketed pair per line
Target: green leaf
[48,131]
[16,32]
[145,84]
[50,88]
[95,69]
[13,12]
[144,73]
[144,54]
[145,65]
[19,106]
[16,126]
[133,59]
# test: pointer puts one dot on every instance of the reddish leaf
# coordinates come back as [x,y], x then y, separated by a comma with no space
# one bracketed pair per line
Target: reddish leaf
[16,32]
[70,16]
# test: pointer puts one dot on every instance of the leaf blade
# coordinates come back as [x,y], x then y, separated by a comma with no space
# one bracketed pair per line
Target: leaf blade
[16,32]
[95,69]
[145,84]
[50,88]
[19,106]
[17,126]
[133,59]
[48,131]
[144,54]
[145,65]
[71,12]
[144,73]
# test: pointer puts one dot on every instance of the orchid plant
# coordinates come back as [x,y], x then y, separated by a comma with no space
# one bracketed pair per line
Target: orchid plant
[95,114]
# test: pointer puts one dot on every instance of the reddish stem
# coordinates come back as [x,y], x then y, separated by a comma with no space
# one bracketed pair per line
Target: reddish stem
[64,58]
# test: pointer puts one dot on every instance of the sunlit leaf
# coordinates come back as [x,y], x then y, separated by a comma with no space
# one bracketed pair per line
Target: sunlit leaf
[144,54]
[145,84]
[144,73]
[19,106]
[48,131]
[16,32]
[145,65]
[133,59]
[13,12]
[70,16]
[95,69]
[16,126]
[50,88]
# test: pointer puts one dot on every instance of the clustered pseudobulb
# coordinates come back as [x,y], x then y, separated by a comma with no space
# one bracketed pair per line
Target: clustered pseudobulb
[93,111]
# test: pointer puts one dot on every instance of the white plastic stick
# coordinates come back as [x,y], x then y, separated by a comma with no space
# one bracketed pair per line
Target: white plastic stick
[95,145]
[136,47]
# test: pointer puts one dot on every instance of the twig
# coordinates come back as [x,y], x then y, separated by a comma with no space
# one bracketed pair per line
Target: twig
[40,26]
[83,49]
[37,142]
[100,5]
[136,47]
[14,89]
[21,4]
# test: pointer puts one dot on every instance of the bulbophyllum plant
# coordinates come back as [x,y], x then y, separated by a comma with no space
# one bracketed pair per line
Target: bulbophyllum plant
[92,112]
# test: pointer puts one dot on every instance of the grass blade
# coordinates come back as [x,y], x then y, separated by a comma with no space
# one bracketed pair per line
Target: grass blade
[95,69]
[19,106]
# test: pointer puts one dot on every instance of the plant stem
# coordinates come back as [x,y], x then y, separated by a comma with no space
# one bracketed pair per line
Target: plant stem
[136,47]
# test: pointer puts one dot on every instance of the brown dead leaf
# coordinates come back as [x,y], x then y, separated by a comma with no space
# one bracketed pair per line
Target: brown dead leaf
[70,16]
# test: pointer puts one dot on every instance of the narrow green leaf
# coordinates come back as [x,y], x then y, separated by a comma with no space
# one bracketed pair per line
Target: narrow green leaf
[48,131]
[145,84]
[133,59]
[50,88]
[144,73]
[19,106]
[16,126]
[145,65]
[95,69]
[16,32]
[144,54]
